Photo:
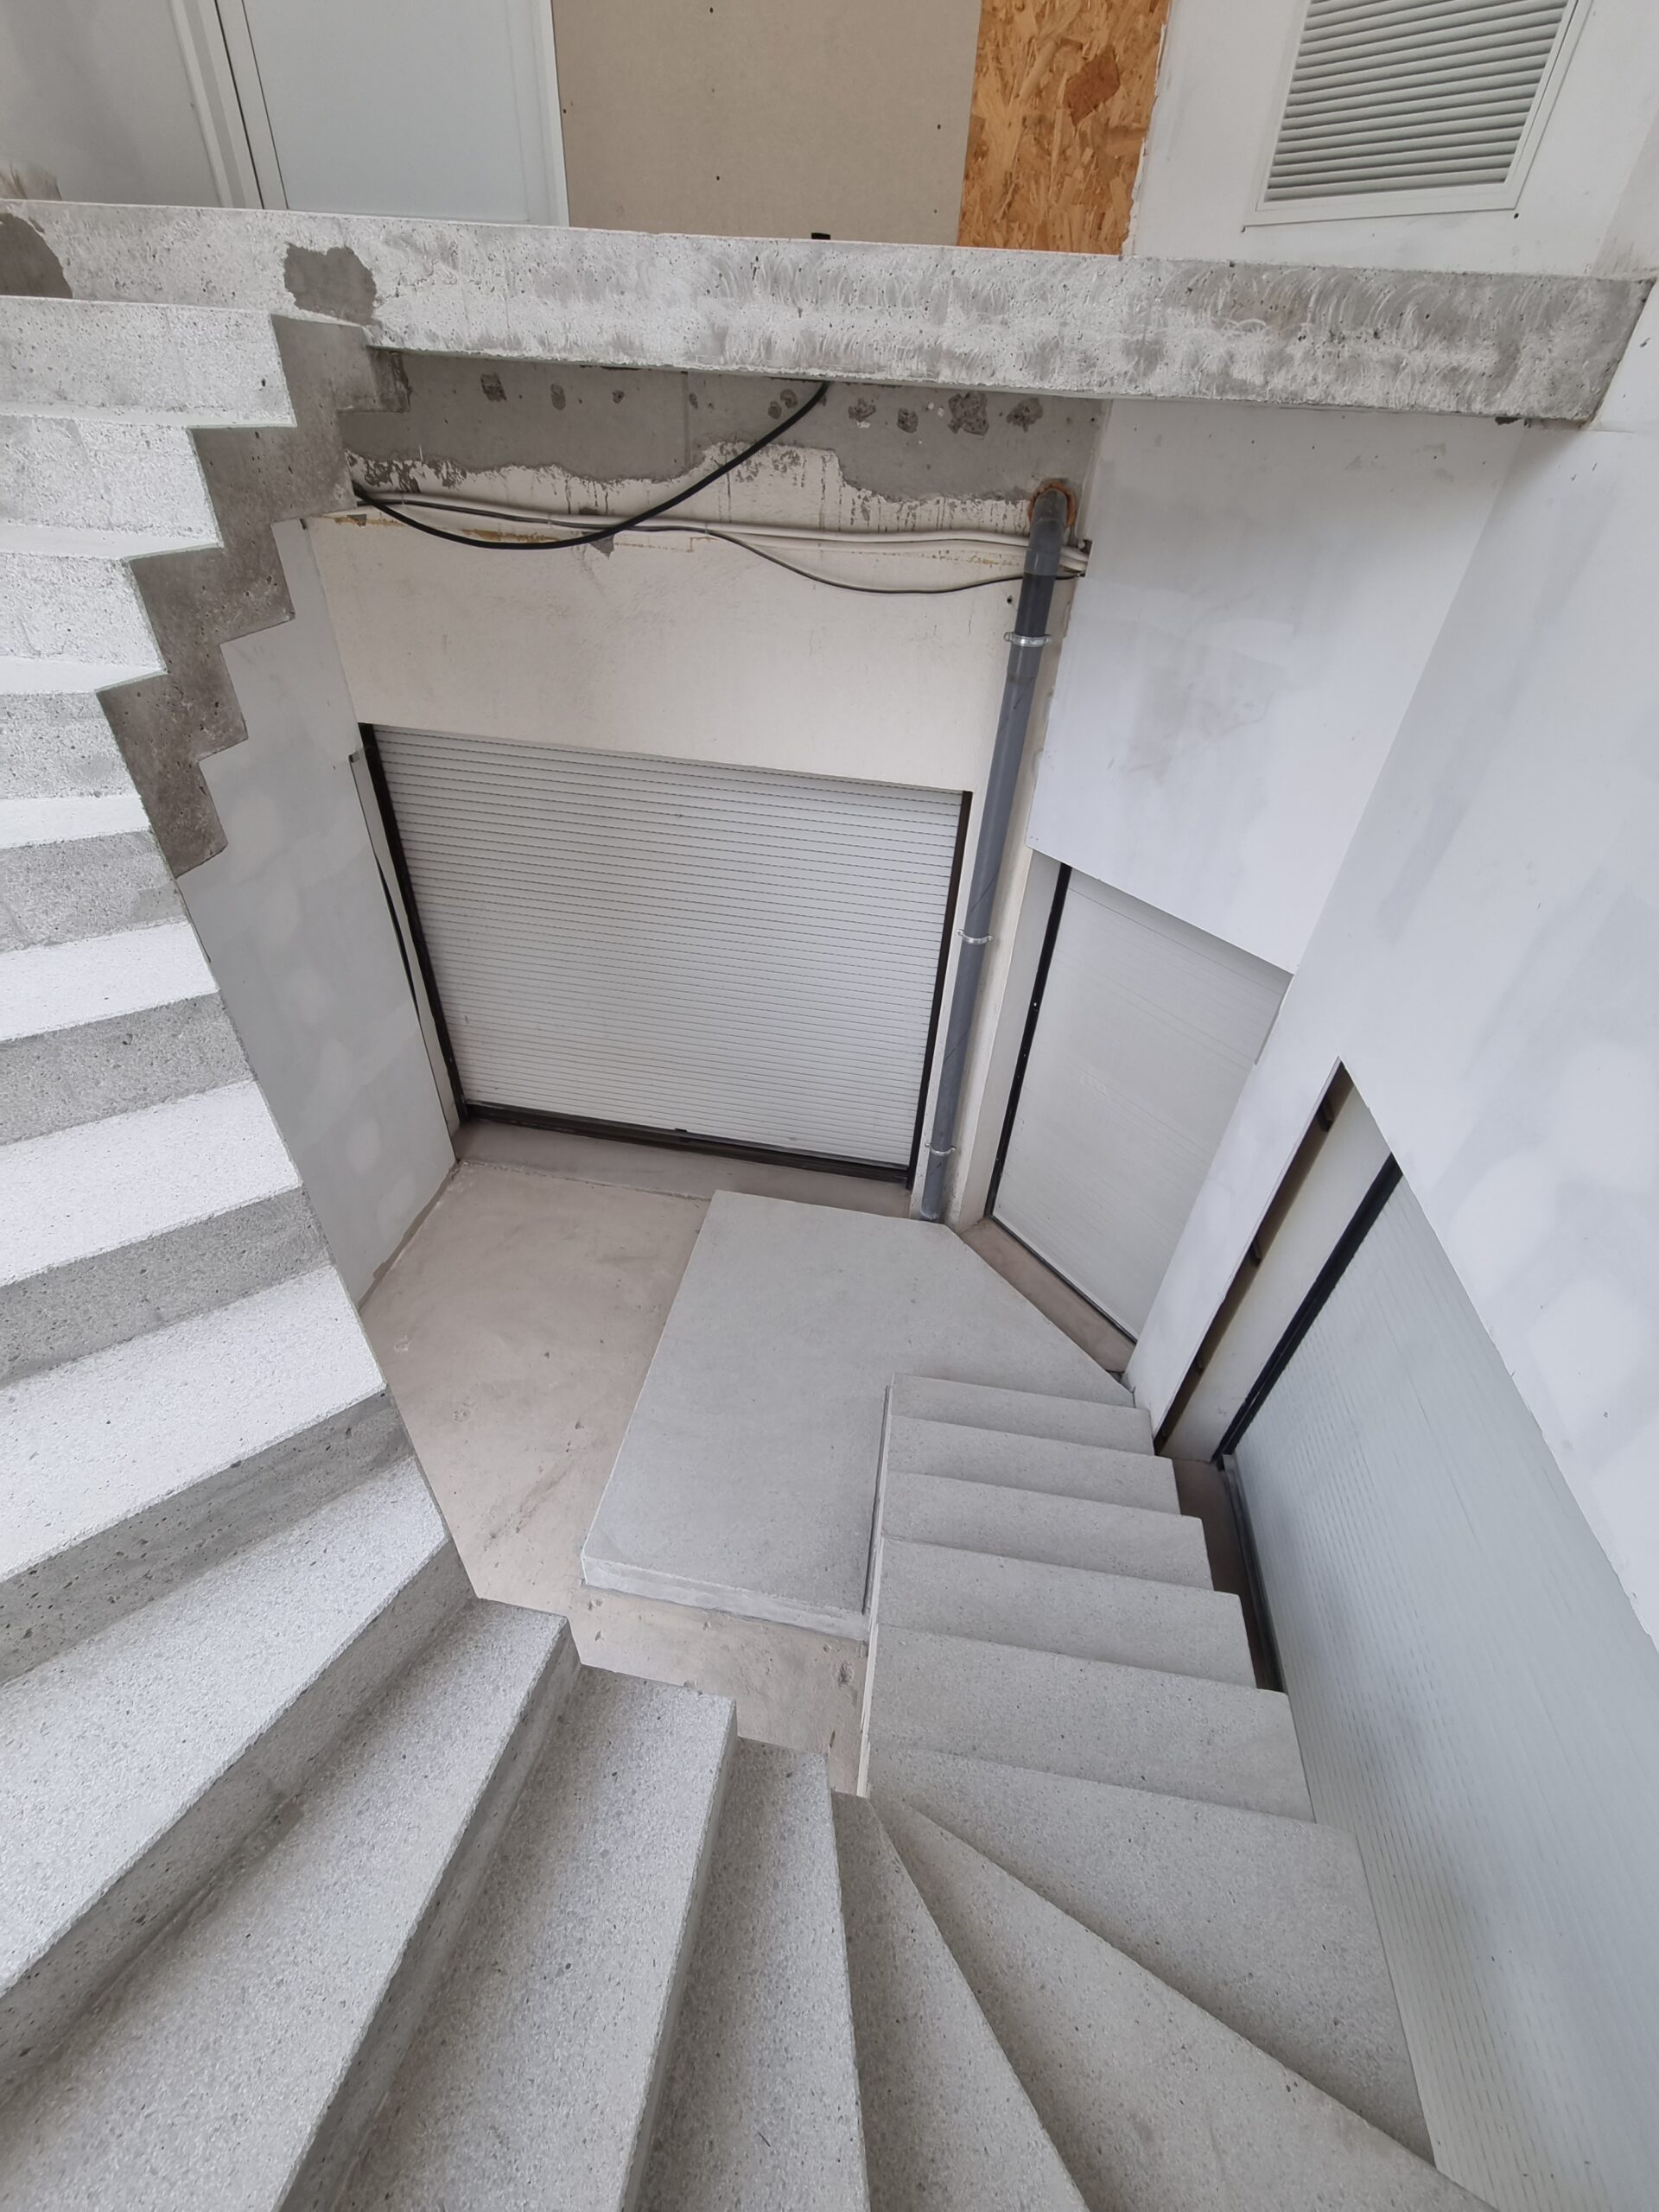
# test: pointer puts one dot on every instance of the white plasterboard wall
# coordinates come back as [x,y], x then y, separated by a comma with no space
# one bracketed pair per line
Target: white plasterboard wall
[294,920]
[1216,112]
[1485,970]
[1264,588]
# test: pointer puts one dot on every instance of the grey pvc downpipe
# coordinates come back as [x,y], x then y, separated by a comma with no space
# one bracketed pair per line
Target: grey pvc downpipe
[1050,511]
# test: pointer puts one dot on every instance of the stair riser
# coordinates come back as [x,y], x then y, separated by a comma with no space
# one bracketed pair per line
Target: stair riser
[39,2007]
[72,610]
[136,487]
[1049,1531]
[141,363]
[82,1589]
[68,1312]
[341,2130]
[86,886]
[57,747]
[73,1075]
[1109,1477]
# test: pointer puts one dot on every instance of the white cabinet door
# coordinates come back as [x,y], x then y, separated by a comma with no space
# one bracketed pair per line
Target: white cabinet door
[667,945]
[1145,1033]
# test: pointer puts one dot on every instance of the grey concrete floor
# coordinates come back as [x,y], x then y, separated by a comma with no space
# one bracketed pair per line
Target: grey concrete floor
[515,1328]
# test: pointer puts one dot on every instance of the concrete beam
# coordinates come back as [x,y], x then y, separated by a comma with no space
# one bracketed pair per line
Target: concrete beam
[1083,326]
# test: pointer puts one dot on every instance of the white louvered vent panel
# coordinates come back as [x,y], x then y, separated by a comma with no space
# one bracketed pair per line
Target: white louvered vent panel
[1411,95]
[727,952]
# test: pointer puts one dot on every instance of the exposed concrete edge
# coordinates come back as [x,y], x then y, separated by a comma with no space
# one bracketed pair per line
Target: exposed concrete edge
[1083,326]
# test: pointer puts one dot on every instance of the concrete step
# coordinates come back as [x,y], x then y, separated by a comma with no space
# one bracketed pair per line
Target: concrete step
[239,2062]
[1154,2105]
[88,1215]
[82,884]
[1266,1922]
[1064,1609]
[136,1762]
[107,1026]
[947,2125]
[535,2074]
[123,1473]
[137,363]
[112,490]
[72,623]
[54,745]
[761,2104]
[987,1455]
[1060,1531]
[1127,1725]
[1116,1421]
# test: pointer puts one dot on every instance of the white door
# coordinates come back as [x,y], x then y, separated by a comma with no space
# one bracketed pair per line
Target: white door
[1477,1702]
[669,946]
[1144,1034]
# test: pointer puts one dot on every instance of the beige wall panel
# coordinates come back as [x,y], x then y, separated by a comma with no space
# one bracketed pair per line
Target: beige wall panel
[769,119]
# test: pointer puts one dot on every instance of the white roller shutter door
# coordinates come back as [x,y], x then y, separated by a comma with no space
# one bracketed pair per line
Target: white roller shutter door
[668,945]
[1145,1034]
[1477,1702]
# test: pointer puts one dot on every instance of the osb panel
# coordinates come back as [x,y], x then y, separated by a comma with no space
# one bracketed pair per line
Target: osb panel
[1062,98]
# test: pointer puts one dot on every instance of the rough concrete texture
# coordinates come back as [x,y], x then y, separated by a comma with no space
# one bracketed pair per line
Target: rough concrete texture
[51,894]
[117,1066]
[1060,1531]
[747,1477]
[946,2122]
[540,2061]
[151,362]
[252,2040]
[57,746]
[1065,1609]
[111,489]
[1266,1922]
[1090,325]
[1037,1463]
[761,2104]
[1154,2105]
[258,1665]
[78,1193]
[516,1328]
[71,623]
[56,988]
[1023,1412]
[1104,1722]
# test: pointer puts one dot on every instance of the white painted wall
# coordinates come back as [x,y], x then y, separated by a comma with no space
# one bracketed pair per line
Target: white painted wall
[96,92]
[295,922]
[1484,969]
[1586,206]
[1264,589]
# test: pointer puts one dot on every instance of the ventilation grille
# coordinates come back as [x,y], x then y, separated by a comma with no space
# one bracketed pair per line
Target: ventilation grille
[1411,95]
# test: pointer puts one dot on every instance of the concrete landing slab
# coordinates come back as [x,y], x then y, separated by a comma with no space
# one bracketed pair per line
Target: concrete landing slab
[746,1479]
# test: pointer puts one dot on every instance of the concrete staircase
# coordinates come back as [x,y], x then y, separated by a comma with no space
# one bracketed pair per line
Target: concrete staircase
[323,1883]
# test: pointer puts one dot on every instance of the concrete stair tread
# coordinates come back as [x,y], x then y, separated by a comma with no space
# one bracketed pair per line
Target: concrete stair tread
[947,2124]
[1027,1413]
[92,1189]
[1105,1473]
[58,747]
[69,818]
[135,1760]
[134,361]
[1154,2105]
[69,622]
[79,887]
[1173,1733]
[252,2041]
[541,2054]
[1266,1922]
[116,1469]
[45,988]
[1073,1611]
[1056,1531]
[116,490]
[761,2105]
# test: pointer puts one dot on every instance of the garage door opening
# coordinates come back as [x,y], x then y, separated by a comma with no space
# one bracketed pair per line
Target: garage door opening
[678,951]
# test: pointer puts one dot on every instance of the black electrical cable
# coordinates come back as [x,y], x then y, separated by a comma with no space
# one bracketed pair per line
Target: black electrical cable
[611,528]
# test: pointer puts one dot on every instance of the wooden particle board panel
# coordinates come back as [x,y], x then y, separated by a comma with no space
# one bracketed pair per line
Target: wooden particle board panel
[1063,94]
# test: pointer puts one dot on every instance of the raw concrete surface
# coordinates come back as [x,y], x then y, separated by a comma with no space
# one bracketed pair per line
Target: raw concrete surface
[515,1329]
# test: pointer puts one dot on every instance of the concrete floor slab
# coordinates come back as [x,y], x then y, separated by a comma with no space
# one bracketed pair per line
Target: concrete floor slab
[515,1329]
[746,1479]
